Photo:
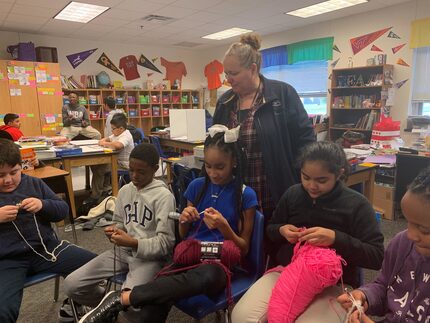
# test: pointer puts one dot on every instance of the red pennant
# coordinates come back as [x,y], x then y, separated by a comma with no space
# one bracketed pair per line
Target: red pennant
[397,48]
[402,62]
[149,74]
[376,49]
[361,42]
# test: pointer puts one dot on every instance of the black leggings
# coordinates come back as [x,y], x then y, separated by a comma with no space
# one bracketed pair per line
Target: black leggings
[156,297]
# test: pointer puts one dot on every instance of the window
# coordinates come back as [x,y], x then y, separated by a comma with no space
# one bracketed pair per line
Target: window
[420,104]
[309,78]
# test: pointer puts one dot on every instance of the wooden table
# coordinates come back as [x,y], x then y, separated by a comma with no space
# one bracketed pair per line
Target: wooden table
[177,144]
[59,181]
[360,175]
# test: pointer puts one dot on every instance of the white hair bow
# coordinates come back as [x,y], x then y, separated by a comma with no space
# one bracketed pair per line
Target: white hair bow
[230,135]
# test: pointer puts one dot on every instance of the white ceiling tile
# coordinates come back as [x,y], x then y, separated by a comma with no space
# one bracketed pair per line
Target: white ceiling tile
[203,16]
[57,4]
[140,6]
[185,24]
[6,7]
[174,12]
[105,3]
[21,27]
[122,14]
[197,4]
[21,9]
[27,19]
[230,7]
[104,21]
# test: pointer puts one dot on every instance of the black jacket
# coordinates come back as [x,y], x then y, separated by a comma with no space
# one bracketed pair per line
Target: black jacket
[282,127]
[358,238]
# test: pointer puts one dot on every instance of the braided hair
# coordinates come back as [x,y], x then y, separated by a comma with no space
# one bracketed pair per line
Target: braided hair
[237,153]
[421,184]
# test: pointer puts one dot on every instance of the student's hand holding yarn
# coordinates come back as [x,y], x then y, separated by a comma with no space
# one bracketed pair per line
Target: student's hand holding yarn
[122,238]
[290,232]
[357,318]
[213,219]
[345,299]
[31,204]
[109,230]
[318,236]
[8,213]
[189,215]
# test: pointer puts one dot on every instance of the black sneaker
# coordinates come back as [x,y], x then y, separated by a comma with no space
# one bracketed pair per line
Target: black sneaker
[106,311]
[66,312]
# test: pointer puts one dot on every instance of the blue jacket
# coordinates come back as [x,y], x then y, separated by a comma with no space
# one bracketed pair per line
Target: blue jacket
[53,210]
[283,128]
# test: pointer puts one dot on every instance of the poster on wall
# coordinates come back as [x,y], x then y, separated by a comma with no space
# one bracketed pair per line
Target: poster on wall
[397,48]
[393,35]
[106,62]
[76,59]
[143,61]
[361,42]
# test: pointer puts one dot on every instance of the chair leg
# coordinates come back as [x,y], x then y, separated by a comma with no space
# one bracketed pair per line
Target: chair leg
[74,311]
[56,288]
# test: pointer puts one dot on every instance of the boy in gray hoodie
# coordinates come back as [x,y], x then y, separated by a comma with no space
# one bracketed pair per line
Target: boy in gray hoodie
[143,236]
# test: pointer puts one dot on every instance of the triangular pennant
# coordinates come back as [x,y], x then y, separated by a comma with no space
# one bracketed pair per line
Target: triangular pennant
[149,74]
[336,48]
[397,48]
[78,58]
[154,59]
[360,42]
[398,85]
[375,48]
[143,61]
[333,64]
[393,35]
[402,62]
[106,62]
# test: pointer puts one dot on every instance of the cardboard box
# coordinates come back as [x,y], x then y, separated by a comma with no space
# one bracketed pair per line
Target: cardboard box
[383,201]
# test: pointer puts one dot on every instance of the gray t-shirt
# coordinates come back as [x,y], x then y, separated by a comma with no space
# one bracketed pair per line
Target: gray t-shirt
[74,115]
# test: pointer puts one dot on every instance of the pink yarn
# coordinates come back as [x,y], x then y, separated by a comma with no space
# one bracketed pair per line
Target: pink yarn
[311,270]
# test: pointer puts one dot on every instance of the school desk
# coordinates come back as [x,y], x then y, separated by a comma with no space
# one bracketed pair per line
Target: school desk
[179,145]
[59,181]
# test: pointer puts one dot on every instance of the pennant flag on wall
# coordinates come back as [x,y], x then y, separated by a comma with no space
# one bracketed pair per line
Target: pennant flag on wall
[376,49]
[360,42]
[393,35]
[333,64]
[336,48]
[398,85]
[154,59]
[143,61]
[397,48]
[78,58]
[402,62]
[149,74]
[106,62]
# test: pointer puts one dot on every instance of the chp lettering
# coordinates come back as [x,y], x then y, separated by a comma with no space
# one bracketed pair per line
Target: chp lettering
[132,215]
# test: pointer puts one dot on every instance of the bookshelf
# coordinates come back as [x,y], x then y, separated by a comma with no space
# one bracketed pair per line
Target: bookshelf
[358,96]
[145,109]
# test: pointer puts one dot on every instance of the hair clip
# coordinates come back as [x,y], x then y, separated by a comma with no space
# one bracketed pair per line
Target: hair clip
[230,135]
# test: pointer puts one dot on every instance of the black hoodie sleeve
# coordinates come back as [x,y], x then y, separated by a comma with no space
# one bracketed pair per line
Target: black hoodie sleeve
[279,218]
[364,247]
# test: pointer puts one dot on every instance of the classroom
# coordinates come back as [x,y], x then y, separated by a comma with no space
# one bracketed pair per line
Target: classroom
[93,101]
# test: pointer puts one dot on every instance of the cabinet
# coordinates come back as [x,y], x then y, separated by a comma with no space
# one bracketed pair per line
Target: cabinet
[358,95]
[145,109]
[33,91]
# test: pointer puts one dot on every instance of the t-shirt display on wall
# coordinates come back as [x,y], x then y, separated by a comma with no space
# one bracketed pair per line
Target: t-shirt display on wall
[174,70]
[212,73]
[129,65]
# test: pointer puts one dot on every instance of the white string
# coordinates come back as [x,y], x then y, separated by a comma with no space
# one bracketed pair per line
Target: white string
[356,305]
[52,254]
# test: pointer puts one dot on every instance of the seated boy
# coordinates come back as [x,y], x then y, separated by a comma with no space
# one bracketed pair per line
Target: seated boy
[109,107]
[142,236]
[76,120]
[11,125]
[120,140]
[28,244]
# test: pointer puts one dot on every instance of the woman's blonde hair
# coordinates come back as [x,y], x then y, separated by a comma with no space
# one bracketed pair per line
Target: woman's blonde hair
[247,50]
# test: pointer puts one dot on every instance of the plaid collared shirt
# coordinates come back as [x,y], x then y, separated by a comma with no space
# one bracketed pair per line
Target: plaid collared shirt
[254,176]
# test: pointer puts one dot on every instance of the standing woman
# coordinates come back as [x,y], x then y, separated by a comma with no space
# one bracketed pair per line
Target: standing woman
[274,123]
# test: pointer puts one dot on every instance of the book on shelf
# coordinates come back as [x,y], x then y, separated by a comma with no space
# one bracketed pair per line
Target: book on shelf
[27,155]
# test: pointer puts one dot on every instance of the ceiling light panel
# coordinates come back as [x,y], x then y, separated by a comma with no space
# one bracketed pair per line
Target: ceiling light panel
[228,33]
[324,7]
[80,12]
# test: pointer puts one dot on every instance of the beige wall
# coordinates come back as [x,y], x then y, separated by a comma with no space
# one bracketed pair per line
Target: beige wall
[399,17]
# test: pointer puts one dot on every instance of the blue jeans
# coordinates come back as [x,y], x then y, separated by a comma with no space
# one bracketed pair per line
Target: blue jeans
[14,270]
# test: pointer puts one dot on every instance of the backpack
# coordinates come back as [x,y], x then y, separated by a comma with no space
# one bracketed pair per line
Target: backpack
[137,136]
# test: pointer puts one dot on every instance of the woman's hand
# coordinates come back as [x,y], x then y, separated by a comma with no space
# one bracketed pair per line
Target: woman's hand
[122,238]
[290,232]
[357,318]
[31,204]
[345,300]
[318,236]
[214,220]
[189,215]
[8,213]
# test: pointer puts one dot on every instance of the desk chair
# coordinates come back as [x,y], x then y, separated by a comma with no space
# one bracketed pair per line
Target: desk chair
[182,177]
[142,136]
[163,155]
[6,135]
[40,278]
[201,305]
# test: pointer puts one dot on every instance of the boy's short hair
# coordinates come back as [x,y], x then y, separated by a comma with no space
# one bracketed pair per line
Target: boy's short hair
[9,153]
[119,120]
[147,153]
[110,102]
[9,117]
